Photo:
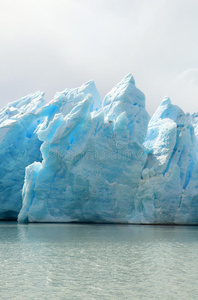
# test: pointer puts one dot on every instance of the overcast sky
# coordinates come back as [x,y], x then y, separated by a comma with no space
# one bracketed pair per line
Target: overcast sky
[52,45]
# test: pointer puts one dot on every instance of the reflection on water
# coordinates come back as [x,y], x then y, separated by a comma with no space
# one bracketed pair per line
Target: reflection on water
[74,261]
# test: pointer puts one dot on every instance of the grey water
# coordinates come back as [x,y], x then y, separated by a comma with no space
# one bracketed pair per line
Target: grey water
[76,261]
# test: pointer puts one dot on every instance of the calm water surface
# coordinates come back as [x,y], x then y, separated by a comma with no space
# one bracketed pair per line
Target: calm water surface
[61,261]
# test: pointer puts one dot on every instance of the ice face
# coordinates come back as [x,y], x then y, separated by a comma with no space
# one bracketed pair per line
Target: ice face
[19,147]
[171,148]
[91,157]
[171,141]
[85,160]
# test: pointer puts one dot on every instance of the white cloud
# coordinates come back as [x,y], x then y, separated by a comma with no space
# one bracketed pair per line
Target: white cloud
[51,45]
[183,90]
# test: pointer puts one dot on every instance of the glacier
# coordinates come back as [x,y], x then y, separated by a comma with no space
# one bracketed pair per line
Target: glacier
[81,159]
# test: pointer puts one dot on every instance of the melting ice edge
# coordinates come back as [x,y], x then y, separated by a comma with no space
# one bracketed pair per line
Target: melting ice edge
[78,159]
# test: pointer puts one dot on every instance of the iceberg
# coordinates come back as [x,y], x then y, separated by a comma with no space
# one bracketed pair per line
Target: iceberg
[81,159]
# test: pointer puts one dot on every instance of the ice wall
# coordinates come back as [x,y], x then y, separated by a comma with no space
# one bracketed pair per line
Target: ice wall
[85,160]
[19,147]
[171,149]
[91,157]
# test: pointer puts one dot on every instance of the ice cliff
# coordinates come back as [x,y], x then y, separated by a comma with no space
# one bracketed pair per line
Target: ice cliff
[79,159]
[19,147]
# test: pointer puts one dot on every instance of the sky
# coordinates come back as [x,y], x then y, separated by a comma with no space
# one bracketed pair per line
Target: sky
[52,45]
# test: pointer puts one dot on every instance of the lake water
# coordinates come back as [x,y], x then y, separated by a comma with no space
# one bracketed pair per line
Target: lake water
[74,261]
